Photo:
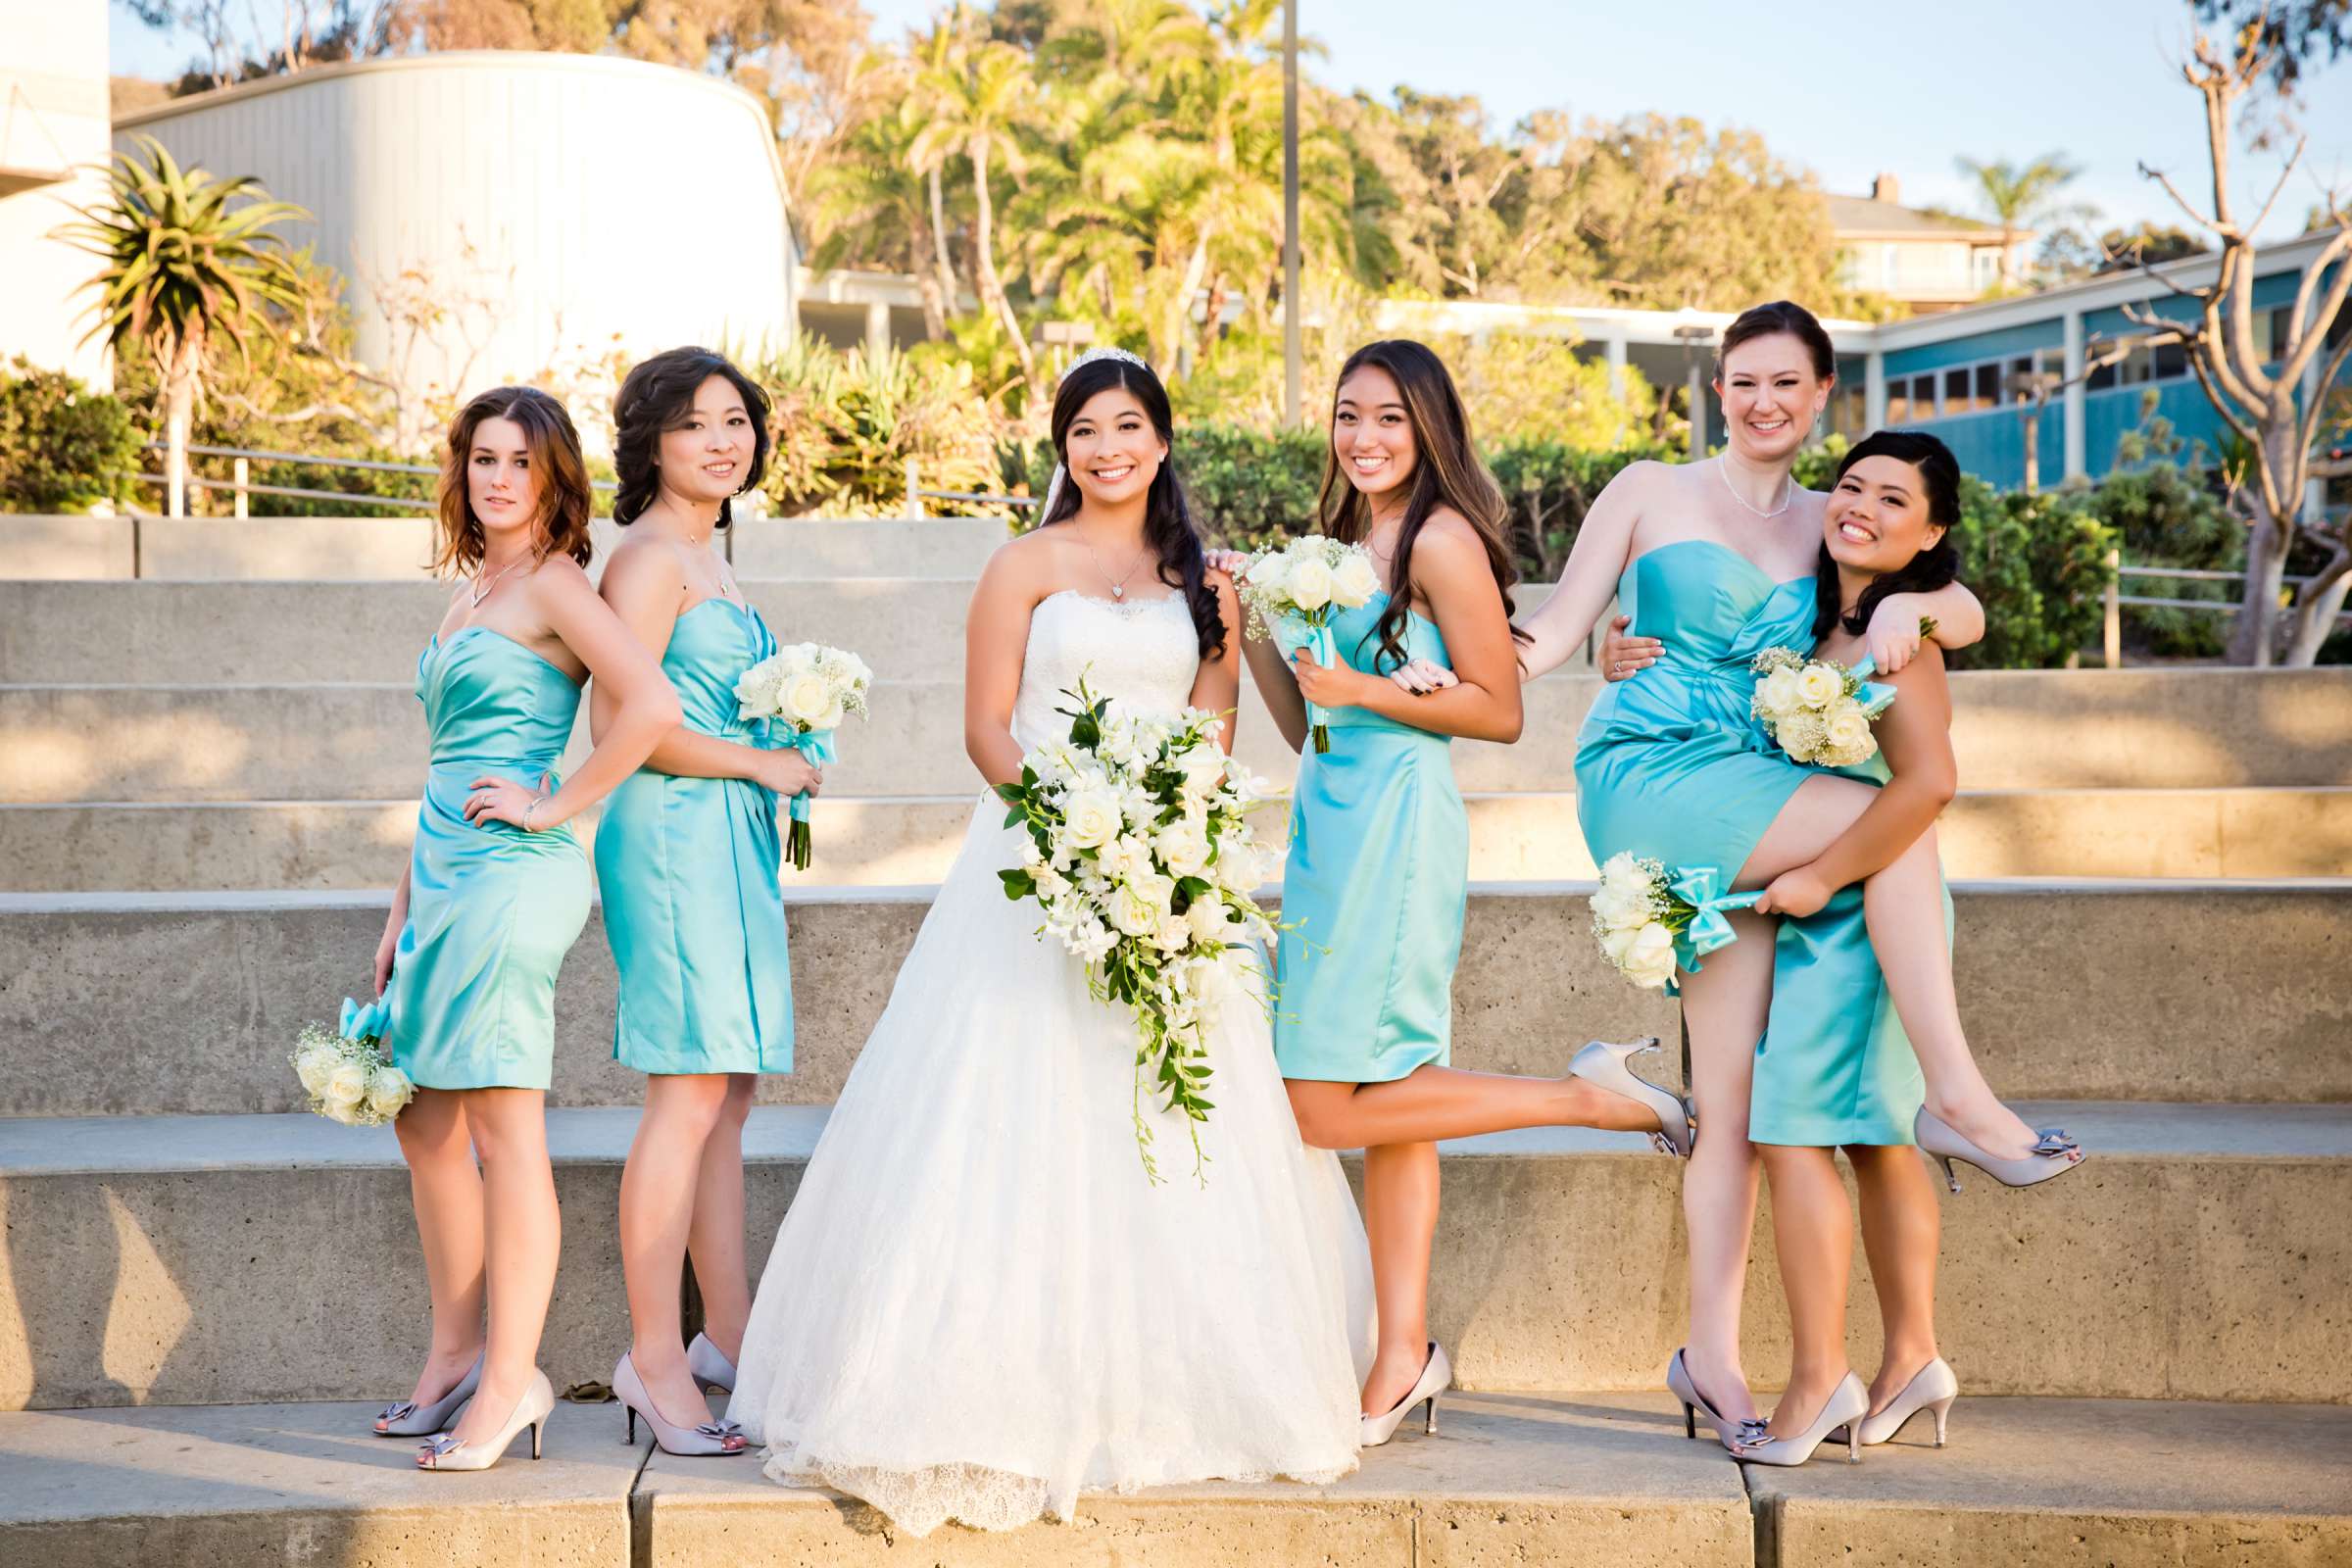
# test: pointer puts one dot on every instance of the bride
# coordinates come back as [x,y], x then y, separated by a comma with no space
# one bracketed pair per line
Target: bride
[978,1306]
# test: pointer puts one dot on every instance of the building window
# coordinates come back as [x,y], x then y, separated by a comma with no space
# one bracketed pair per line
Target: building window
[1988,387]
[1923,397]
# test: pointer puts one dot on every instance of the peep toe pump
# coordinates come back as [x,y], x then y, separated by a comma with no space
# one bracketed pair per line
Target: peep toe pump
[705,1439]
[1728,1432]
[709,1366]
[1846,1405]
[1602,1062]
[446,1453]
[1437,1376]
[1932,1388]
[409,1419]
[2052,1157]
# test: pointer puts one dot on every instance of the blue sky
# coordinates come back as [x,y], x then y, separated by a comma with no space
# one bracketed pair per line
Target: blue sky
[1844,87]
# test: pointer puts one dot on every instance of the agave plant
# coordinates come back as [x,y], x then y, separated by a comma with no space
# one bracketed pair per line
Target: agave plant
[188,258]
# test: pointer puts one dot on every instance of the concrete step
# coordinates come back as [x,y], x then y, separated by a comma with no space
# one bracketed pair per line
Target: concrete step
[208,1260]
[2190,990]
[1544,1478]
[365,741]
[399,548]
[875,842]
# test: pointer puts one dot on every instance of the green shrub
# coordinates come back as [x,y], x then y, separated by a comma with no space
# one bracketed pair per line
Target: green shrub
[62,446]
[2165,515]
[2038,564]
[845,427]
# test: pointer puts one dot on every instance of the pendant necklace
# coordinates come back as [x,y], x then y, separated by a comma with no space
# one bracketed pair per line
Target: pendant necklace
[1118,585]
[1788,492]
[483,590]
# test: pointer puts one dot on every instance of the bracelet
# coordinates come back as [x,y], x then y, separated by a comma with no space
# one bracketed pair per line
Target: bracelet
[537,800]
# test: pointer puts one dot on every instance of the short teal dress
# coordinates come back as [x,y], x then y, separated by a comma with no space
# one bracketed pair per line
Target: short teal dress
[1375,886]
[1835,1065]
[492,910]
[1672,766]
[688,870]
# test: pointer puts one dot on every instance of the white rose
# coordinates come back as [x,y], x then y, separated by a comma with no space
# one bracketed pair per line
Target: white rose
[1619,906]
[806,698]
[1801,735]
[1615,939]
[1158,890]
[1133,911]
[1309,585]
[1354,581]
[1124,856]
[1818,686]
[1847,733]
[1209,919]
[1203,769]
[1650,957]
[1175,934]
[1776,694]
[313,1066]
[388,1090]
[1238,866]
[346,1084]
[1183,846]
[1091,818]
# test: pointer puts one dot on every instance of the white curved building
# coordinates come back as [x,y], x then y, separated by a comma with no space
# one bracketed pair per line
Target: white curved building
[504,214]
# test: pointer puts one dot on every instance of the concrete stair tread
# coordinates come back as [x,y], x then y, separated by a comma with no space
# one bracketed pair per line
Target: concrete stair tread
[1509,1477]
[59,1145]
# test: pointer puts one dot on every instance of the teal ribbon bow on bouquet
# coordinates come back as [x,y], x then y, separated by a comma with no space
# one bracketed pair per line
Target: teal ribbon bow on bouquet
[365,1023]
[1696,888]
[1875,697]
[1315,637]
[817,745]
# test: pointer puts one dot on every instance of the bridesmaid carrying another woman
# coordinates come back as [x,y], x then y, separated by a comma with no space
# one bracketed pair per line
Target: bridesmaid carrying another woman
[495,895]
[687,856]
[1378,873]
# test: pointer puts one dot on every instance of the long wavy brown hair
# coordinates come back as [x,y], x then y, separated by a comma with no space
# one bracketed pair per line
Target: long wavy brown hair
[561,525]
[1445,473]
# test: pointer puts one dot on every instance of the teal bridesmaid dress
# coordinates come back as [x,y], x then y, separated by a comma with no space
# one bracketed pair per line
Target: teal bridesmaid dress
[492,910]
[1672,766]
[1374,889]
[1835,1065]
[688,871]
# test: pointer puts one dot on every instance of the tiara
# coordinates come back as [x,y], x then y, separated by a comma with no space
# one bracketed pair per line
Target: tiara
[1109,352]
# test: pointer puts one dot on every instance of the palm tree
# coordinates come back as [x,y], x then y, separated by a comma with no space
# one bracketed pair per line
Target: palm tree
[182,266]
[2019,199]
[978,101]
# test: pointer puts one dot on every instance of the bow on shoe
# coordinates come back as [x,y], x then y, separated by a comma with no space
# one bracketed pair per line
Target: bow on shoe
[2052,1141]
[1698,885]
[364,1022]
[432,1449]
[396,1413]
[726,1434]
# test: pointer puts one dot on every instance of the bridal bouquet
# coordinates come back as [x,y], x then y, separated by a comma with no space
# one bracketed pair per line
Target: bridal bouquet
[1648,921]
[803,692]
[348,1074]
[1295,589]
[1140,852]
[1816,708]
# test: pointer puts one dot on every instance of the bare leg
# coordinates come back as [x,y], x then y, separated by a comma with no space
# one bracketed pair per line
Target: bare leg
[522,1236]
[1815,1233]
[1903,906]
[447,1192]
[1724,1005]
[715,1238]
[1401,1218]
[1434,1102]
[657,1191]
[1901,1225]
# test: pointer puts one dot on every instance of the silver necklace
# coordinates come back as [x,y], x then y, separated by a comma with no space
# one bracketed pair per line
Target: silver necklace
[1788,492]
[1118,585]
[483,589]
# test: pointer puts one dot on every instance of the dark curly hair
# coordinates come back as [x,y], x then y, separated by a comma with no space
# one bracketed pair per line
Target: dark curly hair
[1932,568]
[657,393]
[1168,528]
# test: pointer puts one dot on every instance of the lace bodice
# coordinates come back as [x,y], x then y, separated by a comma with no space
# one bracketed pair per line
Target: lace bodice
[1145,653]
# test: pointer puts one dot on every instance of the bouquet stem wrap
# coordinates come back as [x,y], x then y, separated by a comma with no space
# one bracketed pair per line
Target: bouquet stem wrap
[1704,929]
[1313,633]
[817,745]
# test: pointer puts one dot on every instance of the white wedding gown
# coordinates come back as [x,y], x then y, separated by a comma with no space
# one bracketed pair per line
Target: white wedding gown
[978,1307]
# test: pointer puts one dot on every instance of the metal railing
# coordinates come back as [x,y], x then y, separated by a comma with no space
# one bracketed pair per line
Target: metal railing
[916,494]
[241,484]
[2112,634]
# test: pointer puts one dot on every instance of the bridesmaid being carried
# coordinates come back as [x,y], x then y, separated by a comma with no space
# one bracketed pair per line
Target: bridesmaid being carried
[1379,862]
[686,857]
[495,895]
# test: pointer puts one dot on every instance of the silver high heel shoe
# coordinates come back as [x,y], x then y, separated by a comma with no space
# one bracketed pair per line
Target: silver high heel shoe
[2053,1157]
[1729,1432]
[1437,1376]
[709,1366]
[707,1439]
[1932,1388]
[1602,1062]
[1845,1407]
[446,1453]
[409,1419]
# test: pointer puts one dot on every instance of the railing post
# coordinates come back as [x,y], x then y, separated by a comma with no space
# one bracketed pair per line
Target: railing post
[2114,630]
[238,474]
[914,491]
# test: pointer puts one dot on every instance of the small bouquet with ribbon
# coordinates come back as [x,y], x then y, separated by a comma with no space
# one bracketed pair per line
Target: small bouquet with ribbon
[1140,849]
[1294,591]
[349,1074]
[1817,709]
[802,693]
[1649,921]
